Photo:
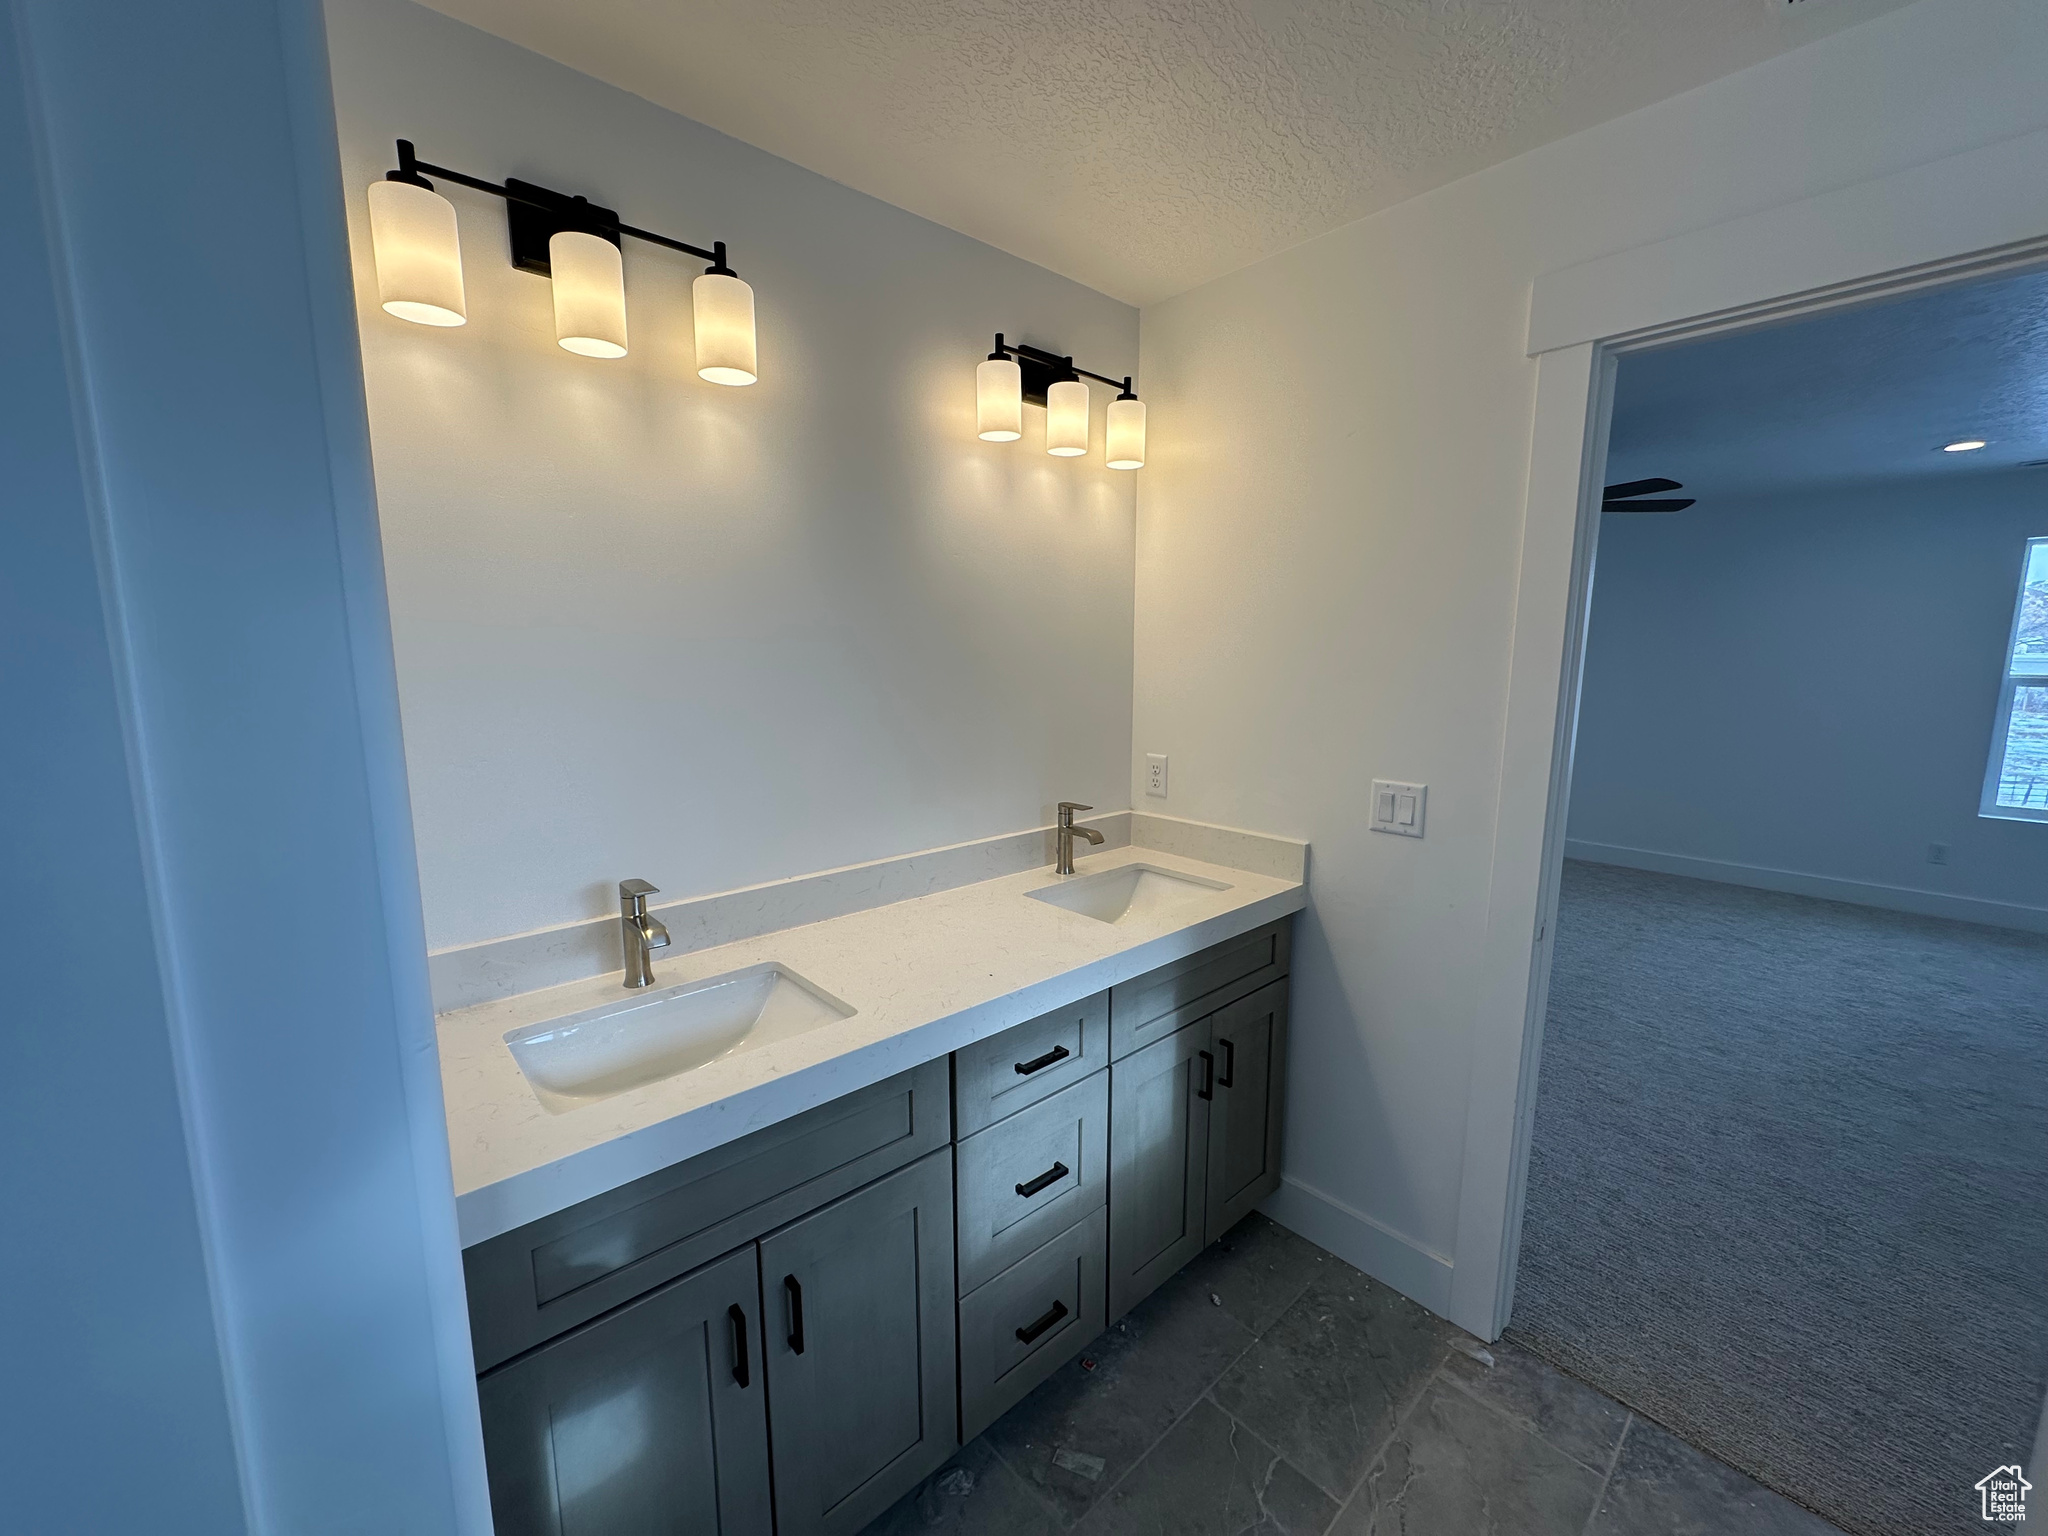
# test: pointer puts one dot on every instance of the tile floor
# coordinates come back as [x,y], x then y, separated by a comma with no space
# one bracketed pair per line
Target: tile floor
[1272,1388]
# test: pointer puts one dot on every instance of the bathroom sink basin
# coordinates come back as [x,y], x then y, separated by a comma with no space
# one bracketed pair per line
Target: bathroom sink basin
[1131,892]
[587,1056]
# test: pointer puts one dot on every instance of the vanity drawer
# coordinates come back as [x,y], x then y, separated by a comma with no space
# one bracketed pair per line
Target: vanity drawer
[999,1076]
[530,1284]
[1033,1174]
[1144,1009]
[1030,1320]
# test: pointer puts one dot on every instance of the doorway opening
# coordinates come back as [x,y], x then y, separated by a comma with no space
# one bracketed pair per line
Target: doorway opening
[1787,1185]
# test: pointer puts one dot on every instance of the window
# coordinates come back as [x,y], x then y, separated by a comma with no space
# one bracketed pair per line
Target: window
[2017,785]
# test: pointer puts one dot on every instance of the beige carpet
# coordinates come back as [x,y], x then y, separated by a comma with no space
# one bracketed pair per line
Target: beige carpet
[1788,1193]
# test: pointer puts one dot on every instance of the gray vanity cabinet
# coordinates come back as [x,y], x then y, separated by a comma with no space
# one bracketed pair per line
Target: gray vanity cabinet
[1248,1039]
[784,1335]
[1195,1105]
[608,1334]
[860,1346]
[650,1421]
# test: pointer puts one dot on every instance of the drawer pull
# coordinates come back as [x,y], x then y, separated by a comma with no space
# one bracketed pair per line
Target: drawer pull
[1229,1077]
[1029,1334]
[739,1343]
[1208,1088]
[1040,1063]
[796,1313]
[1051,1175]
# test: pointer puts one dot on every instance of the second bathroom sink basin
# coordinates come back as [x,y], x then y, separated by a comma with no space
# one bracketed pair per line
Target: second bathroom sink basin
[1132,891]
[583,1057]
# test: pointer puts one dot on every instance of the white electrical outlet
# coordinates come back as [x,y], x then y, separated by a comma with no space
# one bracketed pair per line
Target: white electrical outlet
[1398,808]
[1155,774]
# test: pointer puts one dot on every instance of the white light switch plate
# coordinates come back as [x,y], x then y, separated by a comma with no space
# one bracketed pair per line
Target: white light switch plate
[1155,774]
[1398,808]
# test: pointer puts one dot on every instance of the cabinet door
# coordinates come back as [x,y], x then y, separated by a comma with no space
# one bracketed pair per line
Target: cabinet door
[1159,1099]
[648,1422]
[1249,1040]
[864,1400]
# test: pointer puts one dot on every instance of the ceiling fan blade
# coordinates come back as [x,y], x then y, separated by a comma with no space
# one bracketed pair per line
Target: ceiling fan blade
[1649,506]
[1640,488]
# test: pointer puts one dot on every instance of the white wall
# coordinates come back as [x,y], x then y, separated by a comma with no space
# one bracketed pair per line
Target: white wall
[120,1353]
[1809,684]
[1328,545]
[233,1289]
[650,626]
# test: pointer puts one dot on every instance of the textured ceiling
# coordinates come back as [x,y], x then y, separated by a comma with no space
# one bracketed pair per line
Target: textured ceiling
[1144,146]
[1863,394]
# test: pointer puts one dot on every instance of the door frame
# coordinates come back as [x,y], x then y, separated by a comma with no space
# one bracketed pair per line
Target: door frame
[1974,214]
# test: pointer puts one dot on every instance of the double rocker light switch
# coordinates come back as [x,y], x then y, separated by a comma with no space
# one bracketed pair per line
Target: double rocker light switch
[1397,808]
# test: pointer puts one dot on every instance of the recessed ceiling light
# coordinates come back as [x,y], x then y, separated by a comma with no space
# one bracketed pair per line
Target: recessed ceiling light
[1967,445]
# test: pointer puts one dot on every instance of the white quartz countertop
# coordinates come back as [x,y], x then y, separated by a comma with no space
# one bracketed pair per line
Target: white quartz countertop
[925,977]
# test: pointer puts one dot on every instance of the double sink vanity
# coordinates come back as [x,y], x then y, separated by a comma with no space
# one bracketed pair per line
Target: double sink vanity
[755,1247]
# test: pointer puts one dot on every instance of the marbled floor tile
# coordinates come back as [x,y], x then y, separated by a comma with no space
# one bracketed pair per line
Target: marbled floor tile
[1257,1270]
[1586,1425]
[1327,1381]
[1212,1477]
[974,1494]
[1663,1487]
[1080,1430]
[1459,1468]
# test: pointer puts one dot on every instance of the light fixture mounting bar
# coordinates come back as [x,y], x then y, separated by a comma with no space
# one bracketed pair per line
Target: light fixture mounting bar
[537,213]
[1042,369]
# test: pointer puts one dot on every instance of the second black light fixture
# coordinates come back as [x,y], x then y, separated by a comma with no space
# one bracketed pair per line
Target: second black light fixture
[1014,374]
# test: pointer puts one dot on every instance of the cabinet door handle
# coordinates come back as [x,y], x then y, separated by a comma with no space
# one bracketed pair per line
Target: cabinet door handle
[1208,1088]
[739,1343]
[1051,1175]
[1030,1332]
[1040,1063]
[796,1313]
[1229,1077]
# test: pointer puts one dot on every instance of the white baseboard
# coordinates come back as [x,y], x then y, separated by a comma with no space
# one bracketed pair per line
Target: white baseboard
[1390,1258]
[1862,893]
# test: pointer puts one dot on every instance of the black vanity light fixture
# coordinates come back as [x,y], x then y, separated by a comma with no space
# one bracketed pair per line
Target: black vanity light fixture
[1014,374]
[567,239]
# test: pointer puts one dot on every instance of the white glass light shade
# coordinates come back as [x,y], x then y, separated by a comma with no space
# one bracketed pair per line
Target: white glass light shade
[590,294]
[999,400]
[725,329]
[1066,419]
[418,253]
[1125,434]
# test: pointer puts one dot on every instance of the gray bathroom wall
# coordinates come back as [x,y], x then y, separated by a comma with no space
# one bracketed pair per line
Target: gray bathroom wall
[1800,692]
